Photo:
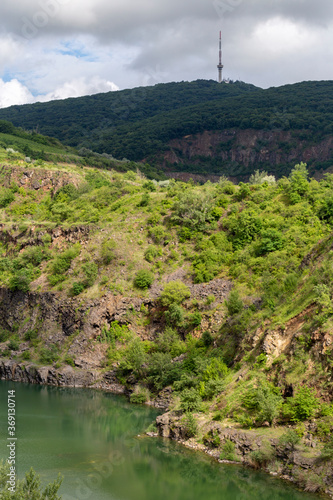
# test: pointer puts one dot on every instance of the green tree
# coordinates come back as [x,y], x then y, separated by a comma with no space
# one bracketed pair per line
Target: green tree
[193,209]
[29,488]
[174,292]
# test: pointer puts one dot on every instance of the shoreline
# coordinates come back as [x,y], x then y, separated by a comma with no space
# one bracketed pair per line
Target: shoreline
[168,424]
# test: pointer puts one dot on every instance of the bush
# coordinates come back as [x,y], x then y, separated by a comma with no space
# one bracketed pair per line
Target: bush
[212,439]
[143,279]
[13,345]
[107,253]
[90,270]
[6,197]
[62,263]
[289,438]
[302,406]
[21,280]
[271,240]
[49,356]
[140,395]
[151,253]
[145,200]
[174,292]
[190,425]
[228,451]
[161,370]
[174,316]
[206,338]
[234,303]
[327,451]
[190,400]
[263,456]
[194,319]
[77,288]
[193,209]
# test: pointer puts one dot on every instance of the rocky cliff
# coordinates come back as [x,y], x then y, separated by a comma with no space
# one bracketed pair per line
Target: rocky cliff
[237,153]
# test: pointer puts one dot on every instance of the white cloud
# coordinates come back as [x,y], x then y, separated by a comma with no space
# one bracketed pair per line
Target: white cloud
[13,92]
[68,47]
[79,87]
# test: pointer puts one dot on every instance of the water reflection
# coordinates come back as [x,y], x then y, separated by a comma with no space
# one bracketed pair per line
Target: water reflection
[91,438]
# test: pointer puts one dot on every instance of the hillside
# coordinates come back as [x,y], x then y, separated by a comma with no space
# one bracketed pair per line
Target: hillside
[213,301]
[197,127]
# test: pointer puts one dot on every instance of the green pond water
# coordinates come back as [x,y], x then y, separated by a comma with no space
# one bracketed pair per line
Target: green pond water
[91,438]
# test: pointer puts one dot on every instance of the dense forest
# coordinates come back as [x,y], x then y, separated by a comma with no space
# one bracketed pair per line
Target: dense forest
[139,124]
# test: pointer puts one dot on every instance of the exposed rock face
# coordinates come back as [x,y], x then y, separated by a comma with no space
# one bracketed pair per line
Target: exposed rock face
[39,179]
[63,377]
[247,148]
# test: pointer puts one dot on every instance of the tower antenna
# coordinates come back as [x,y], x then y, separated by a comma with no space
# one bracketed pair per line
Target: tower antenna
[220,65]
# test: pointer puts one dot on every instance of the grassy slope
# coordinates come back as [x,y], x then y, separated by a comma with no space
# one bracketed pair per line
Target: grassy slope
[272,241]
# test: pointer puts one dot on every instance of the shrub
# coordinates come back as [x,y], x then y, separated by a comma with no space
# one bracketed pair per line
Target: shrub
[134,356]
[234,303]
[161,370]
[206,338]
[190,400]
[13,345]
[289,438]
[244,228]
[193,209]
[263,456]
[302,406]
[6,197]
[159,235]
[31,335]
[174,316]
[90,270]
[69,361]
[140,395]
[209,389]
[49,356]
[143,279]
[228,451]
[327,451]
[21,280]
[107,253]
[145,199]
[194,319]
[190,425]
[77,288]
[264,402]
[151,253]
[271,240]
[63,262]
[174,292]
[212,439]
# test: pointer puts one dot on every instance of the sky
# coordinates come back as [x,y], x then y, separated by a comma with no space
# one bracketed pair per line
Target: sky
[54,49]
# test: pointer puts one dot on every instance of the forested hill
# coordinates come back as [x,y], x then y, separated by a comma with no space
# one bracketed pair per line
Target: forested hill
[73,120]
[197,127]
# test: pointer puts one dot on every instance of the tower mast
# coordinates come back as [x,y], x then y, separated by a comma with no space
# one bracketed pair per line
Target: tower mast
[220,65]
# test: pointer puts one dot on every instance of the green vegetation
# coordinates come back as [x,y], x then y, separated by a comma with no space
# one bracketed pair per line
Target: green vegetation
[224,292]
[139,124]
[29,487]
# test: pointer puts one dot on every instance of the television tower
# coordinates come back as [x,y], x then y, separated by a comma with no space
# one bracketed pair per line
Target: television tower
[220,65]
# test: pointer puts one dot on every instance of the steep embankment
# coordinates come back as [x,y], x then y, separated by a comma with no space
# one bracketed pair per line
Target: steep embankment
[213,301]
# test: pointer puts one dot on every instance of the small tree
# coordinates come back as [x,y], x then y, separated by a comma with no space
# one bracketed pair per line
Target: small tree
[234,303]
[174,292]
[143,279]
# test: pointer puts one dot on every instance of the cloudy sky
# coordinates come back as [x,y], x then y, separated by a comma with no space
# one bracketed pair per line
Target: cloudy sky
[53,49]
